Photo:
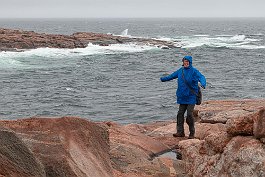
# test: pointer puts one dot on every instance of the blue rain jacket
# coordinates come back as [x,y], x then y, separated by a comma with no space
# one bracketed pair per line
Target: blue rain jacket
[192,76]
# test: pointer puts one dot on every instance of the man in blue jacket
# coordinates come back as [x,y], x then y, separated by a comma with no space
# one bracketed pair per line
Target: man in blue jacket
[188,78]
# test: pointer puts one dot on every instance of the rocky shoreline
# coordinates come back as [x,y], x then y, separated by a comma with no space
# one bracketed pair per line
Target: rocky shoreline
[19,40]
[230,137]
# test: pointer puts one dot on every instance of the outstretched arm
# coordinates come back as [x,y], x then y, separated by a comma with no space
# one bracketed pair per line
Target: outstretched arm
[202,79]
[170,77]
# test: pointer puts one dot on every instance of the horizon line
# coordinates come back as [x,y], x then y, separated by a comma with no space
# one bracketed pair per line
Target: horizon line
[117,17]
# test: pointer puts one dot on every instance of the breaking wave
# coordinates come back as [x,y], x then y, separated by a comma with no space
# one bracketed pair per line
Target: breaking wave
[91,49]
[218,41]
[45,55]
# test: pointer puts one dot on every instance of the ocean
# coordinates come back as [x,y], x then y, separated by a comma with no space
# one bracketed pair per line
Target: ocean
[121,82]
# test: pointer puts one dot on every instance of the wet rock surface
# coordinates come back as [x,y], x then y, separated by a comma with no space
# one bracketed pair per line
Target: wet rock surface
[71,146]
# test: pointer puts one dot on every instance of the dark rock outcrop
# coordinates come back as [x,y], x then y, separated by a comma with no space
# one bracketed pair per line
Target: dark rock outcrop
[18,40]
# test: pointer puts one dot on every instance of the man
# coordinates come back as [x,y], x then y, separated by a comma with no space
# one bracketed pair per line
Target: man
[188,78]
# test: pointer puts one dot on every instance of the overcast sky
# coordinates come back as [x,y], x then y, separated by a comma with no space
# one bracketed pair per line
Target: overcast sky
[130,8]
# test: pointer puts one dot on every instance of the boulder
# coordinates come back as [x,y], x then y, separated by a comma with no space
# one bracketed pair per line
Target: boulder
[216,142]
[66,146]
[241,125]
[202,130]
[242,156]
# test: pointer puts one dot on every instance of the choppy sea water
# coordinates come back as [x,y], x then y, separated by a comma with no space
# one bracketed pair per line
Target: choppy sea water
[121,82]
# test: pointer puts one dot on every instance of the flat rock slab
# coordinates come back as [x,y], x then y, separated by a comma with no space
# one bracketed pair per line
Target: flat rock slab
[220,111]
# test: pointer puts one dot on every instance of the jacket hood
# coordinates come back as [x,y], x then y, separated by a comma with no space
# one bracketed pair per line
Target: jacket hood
[189,58]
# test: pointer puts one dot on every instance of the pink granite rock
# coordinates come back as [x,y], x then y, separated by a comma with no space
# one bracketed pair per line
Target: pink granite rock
[241,125]
[16,159]
[242,156]
[219,111]
[259,124]
[66,146]
[19,40]
[77,147]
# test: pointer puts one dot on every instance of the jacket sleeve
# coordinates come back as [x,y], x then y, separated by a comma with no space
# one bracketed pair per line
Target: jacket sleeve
[170,77]
[202,79]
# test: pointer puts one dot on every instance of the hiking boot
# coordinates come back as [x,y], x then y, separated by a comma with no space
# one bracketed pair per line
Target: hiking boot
[191,137]
[178,134]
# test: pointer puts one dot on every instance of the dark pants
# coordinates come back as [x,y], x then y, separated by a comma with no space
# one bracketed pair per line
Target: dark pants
[190,120]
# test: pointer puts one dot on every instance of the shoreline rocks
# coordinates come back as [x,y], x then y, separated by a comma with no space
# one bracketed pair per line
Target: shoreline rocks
[19,40]
[71,146]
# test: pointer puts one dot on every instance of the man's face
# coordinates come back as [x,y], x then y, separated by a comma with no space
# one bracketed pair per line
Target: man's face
[186,63]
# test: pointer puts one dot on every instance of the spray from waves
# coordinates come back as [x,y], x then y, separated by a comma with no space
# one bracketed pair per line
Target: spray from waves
[218,41]
[124,33]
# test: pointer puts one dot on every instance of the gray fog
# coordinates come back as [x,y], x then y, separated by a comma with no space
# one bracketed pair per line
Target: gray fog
[130,8]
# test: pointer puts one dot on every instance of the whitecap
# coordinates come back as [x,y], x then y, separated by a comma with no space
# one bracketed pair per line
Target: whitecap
[193,45]
[250,47]
[91,49]
[238,38]
[224,35]
[120,48]
[201,35]
[163,38]
[229,41]
[192,42]
[258,34]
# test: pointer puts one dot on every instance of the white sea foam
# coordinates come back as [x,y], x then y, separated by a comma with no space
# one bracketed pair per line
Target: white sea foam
[201,35]
[258,34]
[125,48]
[163,38]
[236,41]
[14,59]
[10,63]
[217,41]
[237,38]
[91,49]
[37,57]
[224,35]
[250,47]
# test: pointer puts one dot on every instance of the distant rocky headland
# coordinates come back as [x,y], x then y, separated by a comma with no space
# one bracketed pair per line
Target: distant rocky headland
[229,141]
[19,40]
